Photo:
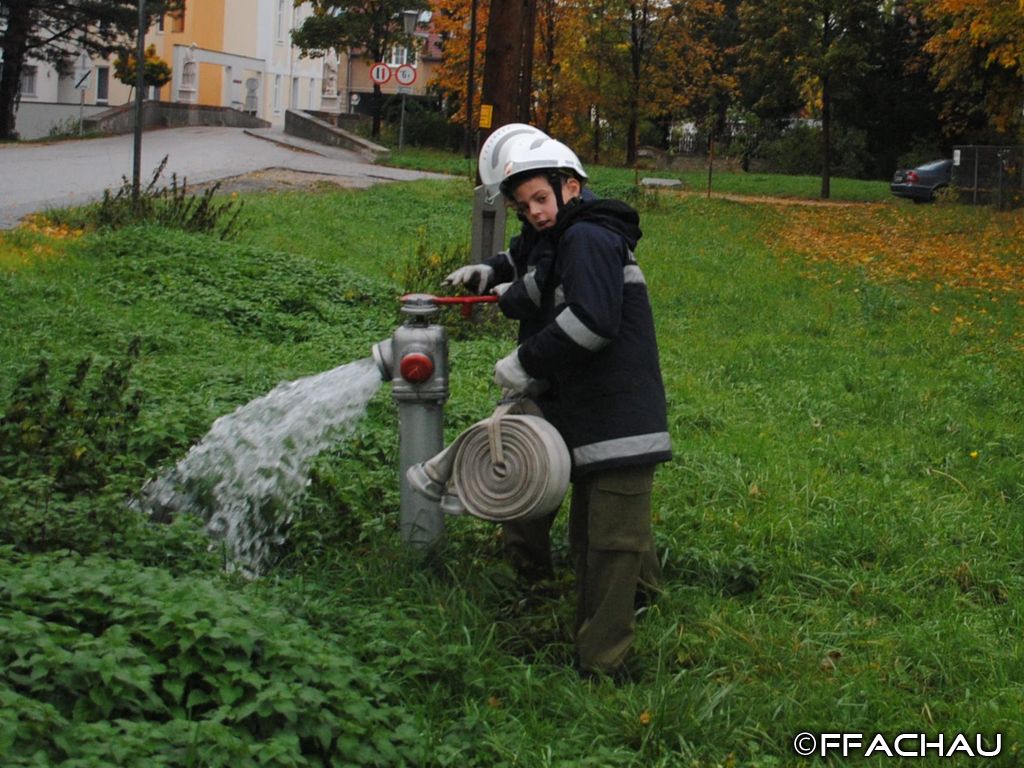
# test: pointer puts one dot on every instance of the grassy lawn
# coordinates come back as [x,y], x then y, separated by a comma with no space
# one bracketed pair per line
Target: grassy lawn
[841,525]
[722,181]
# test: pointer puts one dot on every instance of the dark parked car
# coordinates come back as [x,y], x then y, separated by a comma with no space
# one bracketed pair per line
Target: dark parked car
[920,184]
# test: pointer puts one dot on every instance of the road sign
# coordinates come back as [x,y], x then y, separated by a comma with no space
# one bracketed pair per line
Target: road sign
[406,74]
[380,73]
[486,113]
[83,68]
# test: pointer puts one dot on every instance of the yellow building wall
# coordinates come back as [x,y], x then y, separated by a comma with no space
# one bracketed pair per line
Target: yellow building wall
[204,27]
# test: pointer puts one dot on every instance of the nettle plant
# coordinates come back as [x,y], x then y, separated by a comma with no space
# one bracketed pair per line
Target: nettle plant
[104,662]
[172,206]
[75,434]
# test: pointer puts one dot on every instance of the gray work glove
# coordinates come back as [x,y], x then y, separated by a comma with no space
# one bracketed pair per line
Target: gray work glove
[513,379]
[475,277]
[500,288]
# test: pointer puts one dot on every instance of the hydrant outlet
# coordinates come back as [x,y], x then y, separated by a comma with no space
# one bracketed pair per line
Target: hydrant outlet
[416,367]
[383,356]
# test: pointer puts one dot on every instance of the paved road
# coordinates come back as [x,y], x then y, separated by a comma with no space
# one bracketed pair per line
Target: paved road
[34,177]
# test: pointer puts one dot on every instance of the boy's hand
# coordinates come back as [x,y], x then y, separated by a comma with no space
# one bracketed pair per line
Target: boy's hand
[511,377]
[475,277]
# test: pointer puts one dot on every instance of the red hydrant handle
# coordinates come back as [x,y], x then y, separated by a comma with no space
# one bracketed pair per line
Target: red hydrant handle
[466,302]
[464,299]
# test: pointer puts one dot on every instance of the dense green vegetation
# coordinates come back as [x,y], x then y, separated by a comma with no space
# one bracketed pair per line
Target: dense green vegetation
[841,526]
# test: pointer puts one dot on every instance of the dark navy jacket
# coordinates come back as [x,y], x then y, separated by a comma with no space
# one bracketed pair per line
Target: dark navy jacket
[586,328]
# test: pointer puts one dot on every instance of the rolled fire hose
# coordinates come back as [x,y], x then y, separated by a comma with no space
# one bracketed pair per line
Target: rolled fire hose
[511,466]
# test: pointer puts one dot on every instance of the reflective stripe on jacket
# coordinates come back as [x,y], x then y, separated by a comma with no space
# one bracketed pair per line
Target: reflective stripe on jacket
[586,327]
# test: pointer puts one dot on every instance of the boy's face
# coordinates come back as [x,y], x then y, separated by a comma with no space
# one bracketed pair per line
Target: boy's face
[535,200]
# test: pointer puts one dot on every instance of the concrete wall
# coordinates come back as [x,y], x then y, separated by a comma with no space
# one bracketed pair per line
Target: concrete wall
[36,120]
[306,126]
[160,114]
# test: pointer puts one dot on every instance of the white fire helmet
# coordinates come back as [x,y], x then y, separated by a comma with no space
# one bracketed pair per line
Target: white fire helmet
[493,154]
[528,157]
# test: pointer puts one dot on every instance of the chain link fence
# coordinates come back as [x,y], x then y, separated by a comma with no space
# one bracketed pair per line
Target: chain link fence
[989,175]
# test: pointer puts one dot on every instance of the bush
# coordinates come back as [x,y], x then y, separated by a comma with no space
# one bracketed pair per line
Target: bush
[106,663]
[76,435]
[70,457]
[170,206]
[797,151]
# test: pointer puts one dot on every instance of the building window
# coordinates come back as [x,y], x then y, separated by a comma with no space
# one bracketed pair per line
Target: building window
[28,80]
[295,93]
[277,93]
[400,55]
[282,25]
[160,23]
[187,89]
[178,21]
[102,85]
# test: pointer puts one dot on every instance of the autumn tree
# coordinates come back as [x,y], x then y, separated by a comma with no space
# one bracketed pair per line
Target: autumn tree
[707,87]
[371,26]
[451,21]
[56,31]
[811,50]
[648,60]
[977,49]
[896,110]
[155,71]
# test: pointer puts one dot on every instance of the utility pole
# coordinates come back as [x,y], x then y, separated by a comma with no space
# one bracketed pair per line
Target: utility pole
[508,65]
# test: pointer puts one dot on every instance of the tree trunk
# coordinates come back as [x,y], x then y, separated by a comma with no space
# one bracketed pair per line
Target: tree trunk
[544,118]
[14,44]
[524,102]
[508,60]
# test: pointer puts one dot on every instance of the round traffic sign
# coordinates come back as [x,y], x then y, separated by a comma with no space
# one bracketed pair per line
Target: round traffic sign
[406,74]
[380,73]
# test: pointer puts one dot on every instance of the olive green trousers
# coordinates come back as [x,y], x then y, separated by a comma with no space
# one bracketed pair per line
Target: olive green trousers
[613,554]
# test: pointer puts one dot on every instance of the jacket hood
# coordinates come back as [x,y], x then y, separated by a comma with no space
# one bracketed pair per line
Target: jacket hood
[611,214]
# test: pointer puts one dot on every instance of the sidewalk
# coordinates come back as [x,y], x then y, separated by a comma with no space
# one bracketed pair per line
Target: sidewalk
[34,177]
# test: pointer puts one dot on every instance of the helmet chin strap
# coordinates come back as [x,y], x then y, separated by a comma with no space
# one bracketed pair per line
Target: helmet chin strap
[557,181]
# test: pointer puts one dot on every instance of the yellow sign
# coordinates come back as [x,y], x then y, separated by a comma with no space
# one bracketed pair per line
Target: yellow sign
[486,113]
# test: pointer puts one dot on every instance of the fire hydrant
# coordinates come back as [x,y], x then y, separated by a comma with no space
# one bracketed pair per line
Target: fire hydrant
[415,361]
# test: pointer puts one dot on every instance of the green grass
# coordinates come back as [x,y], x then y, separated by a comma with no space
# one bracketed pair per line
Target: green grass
[722,181]
[841,526]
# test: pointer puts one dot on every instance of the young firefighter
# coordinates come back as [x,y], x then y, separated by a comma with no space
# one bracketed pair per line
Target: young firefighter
[588,357]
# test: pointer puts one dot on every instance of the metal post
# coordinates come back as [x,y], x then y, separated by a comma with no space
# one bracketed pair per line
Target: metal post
[974,197]
[409,21]
[140,84]
[487,233]
[401,125]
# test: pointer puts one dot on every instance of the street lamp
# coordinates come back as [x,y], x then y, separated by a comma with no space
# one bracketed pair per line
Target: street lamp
[409,19]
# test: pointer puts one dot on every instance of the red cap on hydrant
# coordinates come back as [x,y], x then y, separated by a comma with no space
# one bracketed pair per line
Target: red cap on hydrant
[416,367]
